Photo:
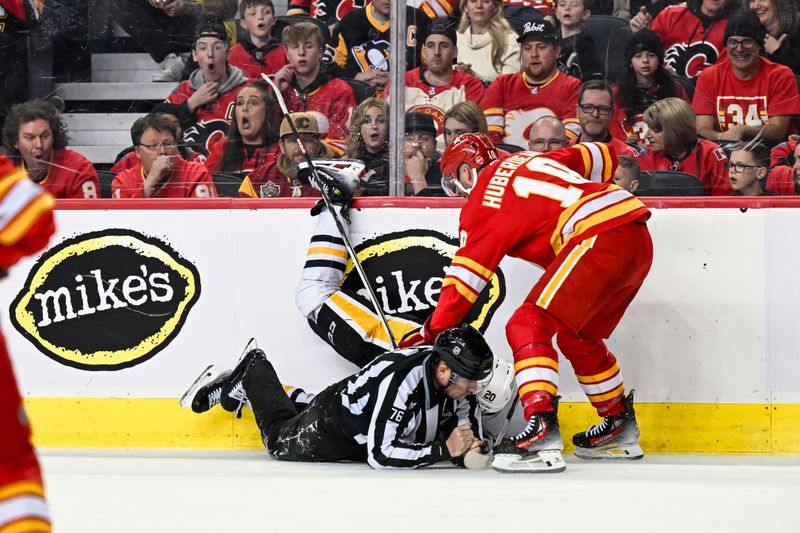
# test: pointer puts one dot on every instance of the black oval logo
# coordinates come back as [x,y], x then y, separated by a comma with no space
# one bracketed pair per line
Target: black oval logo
[406,269]
[106,300]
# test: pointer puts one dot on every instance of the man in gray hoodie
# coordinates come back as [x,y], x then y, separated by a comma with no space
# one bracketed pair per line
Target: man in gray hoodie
[210,92]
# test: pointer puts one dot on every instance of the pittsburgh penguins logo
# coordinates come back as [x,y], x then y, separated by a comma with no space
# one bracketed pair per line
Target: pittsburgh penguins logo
[688,60]
[202,135]
[372,55]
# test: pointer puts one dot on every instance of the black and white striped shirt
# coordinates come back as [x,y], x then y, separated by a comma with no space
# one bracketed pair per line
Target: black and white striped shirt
[394,408]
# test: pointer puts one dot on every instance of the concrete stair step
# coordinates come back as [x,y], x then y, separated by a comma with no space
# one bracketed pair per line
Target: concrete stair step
[126,61]
[119,76]
[100,121]
[114,91]
[100,137]
[100,154]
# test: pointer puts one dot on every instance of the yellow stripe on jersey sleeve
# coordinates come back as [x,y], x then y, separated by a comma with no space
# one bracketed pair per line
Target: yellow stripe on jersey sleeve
[462,289]
[604,215]
[25,219]
[473,265]
[326,250]
[21,488]
[597,378]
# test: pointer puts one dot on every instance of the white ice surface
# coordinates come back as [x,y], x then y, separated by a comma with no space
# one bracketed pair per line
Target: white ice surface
[139,491]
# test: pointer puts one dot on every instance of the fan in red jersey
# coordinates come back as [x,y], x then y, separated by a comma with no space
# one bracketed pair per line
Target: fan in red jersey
[35,136]
[591,239]
[161,172]
[27,224]
[746,95]
[513,102]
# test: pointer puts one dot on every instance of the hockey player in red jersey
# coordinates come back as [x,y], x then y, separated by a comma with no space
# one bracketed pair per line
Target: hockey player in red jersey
[591,239]
[27,224]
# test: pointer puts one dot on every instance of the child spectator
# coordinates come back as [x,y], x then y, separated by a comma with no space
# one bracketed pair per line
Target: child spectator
[578,57]
[746,95]
[307,86]
[210,91]
[257,52]
[279,177]
[369,141]
[646,81]
[488,45]
[360,45]
[35,136]
[436,86]
[161,172]
[673,145]
[251,141]
[627,174]
[748,169]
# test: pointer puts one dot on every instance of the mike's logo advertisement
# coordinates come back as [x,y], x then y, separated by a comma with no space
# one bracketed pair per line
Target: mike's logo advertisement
[406,269]
[106,300]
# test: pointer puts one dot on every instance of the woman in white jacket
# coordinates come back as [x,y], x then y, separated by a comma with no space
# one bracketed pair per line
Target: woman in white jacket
[487,45]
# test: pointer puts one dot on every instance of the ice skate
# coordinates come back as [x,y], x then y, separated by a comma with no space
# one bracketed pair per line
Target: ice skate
[537,450]
[233,396]
[205,392]
[615,438]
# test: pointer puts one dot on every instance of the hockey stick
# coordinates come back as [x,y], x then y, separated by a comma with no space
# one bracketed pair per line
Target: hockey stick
[503,429]
[325,198]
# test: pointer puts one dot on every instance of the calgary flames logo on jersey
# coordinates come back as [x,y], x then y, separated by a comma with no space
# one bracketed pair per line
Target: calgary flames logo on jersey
[688,60]
[203,135]
[519,122]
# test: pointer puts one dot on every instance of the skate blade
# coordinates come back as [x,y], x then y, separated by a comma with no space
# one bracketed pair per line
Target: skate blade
[627,452]
[544,462]
[202,379]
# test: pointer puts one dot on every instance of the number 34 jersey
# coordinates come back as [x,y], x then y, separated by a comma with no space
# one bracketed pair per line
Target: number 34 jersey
[532,206]
[731,101]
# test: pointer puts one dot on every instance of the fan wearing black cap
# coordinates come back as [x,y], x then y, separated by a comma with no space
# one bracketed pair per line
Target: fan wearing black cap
[210,91]
[423,176]
[405,409]
[513,102]
[436,86]
[645,81]
[747,95]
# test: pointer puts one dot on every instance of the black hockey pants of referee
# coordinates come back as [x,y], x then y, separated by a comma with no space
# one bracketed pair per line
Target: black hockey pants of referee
[289,435]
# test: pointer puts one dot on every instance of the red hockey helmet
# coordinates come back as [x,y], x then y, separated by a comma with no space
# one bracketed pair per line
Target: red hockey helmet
[472,149]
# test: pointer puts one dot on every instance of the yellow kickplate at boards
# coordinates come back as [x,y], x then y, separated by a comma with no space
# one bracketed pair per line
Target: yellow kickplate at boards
[162,423]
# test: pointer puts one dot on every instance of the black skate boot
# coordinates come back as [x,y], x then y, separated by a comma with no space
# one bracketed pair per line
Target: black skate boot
[536,450]
[233,396]
[616,437]
[205,392]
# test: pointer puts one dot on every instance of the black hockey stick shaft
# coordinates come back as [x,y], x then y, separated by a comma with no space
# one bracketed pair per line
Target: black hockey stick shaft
[503,429]
[339,225]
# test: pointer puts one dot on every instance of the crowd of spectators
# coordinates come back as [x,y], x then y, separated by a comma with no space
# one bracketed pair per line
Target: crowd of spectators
[709,89]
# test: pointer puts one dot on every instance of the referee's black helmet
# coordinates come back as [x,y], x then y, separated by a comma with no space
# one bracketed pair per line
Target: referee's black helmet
[465,351]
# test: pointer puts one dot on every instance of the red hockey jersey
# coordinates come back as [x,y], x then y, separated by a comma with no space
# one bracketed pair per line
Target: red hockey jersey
[254,61]
[512,105]
[188,180]
[781,180]
[436,101]
[771,93]
[331,100]
[688,47]
[707,161]
[254,157]
[71,176]
[623,128]
[531,206]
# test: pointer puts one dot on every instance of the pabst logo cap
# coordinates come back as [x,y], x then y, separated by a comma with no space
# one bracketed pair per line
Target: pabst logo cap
[106,300]
[541,30]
